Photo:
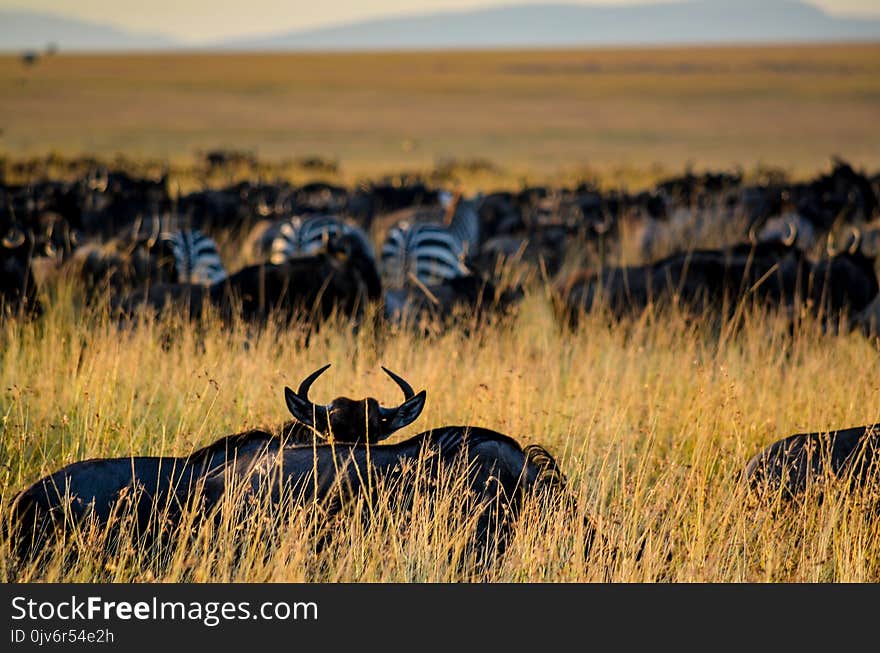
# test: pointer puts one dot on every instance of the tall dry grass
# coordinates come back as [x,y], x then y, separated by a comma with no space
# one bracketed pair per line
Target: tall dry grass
[652,421]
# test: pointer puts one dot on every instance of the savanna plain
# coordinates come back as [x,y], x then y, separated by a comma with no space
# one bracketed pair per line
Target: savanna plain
[651,420]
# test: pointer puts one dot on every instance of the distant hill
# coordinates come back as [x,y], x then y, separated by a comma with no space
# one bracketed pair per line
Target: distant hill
[25,30]
[695,21]
[524,25]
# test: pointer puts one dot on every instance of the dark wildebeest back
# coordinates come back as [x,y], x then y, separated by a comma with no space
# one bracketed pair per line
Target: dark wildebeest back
[494,473]
[148,488]
[702,279]
[469,299]
[845,282]
[804,459]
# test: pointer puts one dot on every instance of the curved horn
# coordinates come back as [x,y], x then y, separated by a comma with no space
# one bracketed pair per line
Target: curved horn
[753,235]
[789,240]
[408,392]
[299,404]
[856,239]
[829,245]
[14,238]
[309,380]
[155,232]
[49,248]
[136,227]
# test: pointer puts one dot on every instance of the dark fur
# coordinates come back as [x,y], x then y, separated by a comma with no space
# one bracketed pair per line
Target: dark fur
[153,487]
[18,289]
[499,474]
[804,459]
[469,299]
[343,278]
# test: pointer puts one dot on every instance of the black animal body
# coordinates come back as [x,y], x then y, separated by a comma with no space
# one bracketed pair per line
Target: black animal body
[151,489]
[794,463]
[468,299]
[342,278]
[542,247]
[18,288]
[489,472]
[772,272]
[155,489]
[844,283]
[142,260]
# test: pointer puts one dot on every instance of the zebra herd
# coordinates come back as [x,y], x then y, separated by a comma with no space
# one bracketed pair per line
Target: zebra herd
[308,266]
[423,270]
[421,255]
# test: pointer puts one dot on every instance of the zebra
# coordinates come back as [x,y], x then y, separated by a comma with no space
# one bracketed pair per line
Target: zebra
[302,236]
[431,252]
[196,257]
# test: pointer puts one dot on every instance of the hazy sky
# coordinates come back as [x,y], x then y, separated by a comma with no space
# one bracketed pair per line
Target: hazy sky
[205,20]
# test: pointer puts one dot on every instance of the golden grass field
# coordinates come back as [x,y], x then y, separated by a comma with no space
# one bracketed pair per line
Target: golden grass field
[625,115]
[652,421]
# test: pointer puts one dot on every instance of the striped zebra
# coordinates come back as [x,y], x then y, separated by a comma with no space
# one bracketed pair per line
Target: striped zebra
[196,257]
[431,252]
[300,236]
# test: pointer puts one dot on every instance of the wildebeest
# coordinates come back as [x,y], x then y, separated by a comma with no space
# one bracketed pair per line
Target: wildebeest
[782,227]
[696,280]
[430,308]
[394,194]
[343,278]
[542,247]
[489,473]
[142,258]
[157,488]
[804,459]
[351,420]
[152,489]
[500,214]
[845,281]
[109,201]
[18,288]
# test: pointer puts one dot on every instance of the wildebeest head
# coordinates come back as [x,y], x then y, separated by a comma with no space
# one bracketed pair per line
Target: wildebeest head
[18,248]
[354,420]
[352,254]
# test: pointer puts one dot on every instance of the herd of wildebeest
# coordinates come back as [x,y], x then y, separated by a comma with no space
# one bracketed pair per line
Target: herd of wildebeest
[410,254]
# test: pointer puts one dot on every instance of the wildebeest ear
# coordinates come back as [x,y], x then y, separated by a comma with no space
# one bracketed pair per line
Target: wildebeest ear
[300,408]
[406,413]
